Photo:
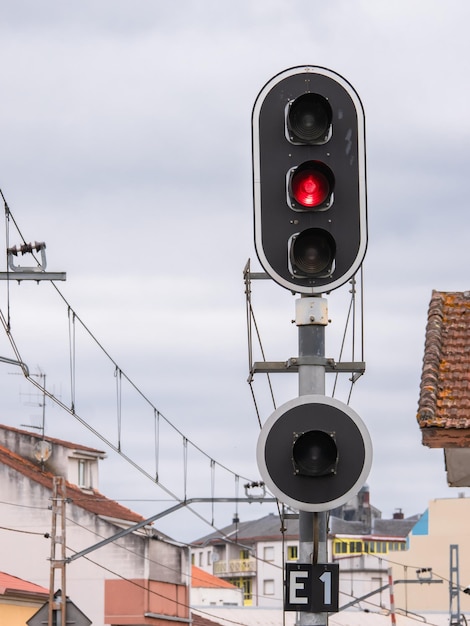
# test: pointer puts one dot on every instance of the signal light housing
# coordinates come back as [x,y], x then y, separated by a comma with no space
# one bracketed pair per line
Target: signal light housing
[309,179]
[308,119]
[314,453]
[312,254]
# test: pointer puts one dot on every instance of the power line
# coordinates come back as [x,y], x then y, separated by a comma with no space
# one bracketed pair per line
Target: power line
[157,416]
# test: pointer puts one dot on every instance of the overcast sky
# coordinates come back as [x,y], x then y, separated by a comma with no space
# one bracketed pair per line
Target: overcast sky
[125,133]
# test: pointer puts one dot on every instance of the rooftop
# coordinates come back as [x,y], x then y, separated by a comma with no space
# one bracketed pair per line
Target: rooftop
[200,578]
[444,401]
[61,442]
[11,585]
[269,528]
[92,501]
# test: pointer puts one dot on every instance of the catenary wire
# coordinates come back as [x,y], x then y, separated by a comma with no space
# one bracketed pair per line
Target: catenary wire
[73,319]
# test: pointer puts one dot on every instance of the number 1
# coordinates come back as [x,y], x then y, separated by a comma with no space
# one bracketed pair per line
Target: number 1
[326,580]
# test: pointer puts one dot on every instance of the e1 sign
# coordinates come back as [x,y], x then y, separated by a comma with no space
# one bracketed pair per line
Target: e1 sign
[312,588]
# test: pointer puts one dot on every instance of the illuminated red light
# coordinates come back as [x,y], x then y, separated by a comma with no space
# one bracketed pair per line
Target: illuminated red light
[310,187]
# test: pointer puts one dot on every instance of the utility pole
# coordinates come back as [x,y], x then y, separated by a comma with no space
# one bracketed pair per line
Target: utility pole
[57,610]
[454,587]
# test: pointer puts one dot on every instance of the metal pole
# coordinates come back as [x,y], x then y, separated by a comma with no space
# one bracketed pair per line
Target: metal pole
[454,586]
[311,319]
[392,597]
[57,608]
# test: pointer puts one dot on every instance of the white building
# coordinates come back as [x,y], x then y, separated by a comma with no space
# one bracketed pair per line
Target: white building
[252,555]
[208,590]
[141,578]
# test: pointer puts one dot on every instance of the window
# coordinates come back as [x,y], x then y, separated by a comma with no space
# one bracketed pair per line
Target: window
[193,559]
[369,547]
[84,474]
[209,557]
[268,553]
[201,554]
[247,592]
[268,587]
[355,547]
[245,584]
[340,546]
[292,553]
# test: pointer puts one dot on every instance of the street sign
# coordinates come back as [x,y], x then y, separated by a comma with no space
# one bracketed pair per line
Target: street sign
[312,588]
[314,453]
[74,615]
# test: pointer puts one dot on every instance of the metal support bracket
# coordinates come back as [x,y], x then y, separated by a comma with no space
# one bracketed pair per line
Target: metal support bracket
[36,272]
[292,365]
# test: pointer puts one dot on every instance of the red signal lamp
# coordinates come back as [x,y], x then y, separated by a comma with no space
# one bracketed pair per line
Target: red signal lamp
[310,186]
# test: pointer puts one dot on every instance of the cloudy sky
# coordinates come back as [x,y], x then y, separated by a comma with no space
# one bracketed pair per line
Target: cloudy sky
[125,130]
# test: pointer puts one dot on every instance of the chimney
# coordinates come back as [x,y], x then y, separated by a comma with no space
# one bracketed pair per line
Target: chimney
[398,514]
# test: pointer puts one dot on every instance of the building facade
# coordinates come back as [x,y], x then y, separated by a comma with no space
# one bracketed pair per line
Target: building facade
[252,555]
[19,599]
[428,558]
[140,578]
[208,590]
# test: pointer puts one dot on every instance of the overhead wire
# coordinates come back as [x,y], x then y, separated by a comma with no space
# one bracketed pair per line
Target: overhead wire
[251,323]
[350,324]
[120,375]
[256,557]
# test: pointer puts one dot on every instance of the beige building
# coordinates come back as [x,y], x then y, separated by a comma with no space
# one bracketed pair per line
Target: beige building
[445,523]
[19,599]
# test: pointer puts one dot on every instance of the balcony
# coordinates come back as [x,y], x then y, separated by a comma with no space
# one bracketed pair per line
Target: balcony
[235,567]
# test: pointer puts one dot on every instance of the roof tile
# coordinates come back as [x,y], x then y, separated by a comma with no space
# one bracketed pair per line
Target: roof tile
[444,400]
[93,501]
[200,578]
[11,584]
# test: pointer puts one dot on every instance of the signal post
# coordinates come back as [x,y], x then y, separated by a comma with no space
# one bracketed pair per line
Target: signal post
[310,220]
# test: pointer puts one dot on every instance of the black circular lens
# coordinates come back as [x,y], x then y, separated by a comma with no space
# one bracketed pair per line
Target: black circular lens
[309,118]
[313,252]
[314,453]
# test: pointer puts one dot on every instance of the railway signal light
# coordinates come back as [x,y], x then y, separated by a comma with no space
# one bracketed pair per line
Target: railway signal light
[314,453]
[309,181]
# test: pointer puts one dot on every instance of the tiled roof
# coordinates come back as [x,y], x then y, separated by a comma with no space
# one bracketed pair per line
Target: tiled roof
[444,401]
[65,444]
[394,527]
[11,585]
[94,502]
[200,578]
[380,527]
[268,528]
[263,529]
[340,526]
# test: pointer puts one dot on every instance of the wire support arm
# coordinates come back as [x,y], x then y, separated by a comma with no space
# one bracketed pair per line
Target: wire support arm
[292,365]
[157,516]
